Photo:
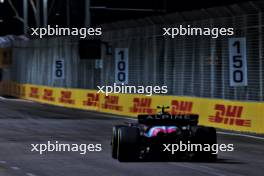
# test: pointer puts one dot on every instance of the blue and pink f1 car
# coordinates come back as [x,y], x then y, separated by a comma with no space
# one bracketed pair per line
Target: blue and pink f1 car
[146,139]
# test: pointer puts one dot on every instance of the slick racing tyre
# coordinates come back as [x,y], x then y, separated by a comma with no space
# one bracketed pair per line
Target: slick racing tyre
[128,144]
[114,140]
[205,135]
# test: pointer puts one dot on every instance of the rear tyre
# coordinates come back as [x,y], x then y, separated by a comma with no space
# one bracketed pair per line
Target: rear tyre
[114,140]
[128,144]
[205,136]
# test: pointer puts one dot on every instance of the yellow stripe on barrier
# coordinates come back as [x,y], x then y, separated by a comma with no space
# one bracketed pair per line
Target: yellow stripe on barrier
[225,114]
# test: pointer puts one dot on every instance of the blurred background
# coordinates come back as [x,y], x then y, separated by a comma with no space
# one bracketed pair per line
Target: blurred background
[52,71]
[190,66]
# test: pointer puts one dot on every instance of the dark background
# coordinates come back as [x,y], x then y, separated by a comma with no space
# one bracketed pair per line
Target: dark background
[57,11]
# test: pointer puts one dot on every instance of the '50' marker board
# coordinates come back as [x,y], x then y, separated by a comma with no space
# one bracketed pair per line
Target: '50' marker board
[58,69]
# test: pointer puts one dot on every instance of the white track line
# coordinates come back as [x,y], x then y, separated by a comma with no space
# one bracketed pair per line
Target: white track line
[16,99]
[15,168]
[204,170]
[30,174]
[216,170]
[112,116]
[238,134]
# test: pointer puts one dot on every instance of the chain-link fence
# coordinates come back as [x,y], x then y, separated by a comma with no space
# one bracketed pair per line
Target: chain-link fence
[188,65]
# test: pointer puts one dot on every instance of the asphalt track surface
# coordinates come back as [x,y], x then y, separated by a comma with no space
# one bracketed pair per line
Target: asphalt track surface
[23,123]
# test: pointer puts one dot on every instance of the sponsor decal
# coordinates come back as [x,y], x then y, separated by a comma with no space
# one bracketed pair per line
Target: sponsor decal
[111,102]
[142,105]
[92,100]
[48,95]
[181,107]
[34,92]
[229,115]
[66,97]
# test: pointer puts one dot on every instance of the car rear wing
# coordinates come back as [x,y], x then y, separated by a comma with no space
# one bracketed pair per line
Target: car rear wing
[167,119]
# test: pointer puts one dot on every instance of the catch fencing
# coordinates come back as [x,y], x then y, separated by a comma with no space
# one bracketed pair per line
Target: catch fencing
[196,66]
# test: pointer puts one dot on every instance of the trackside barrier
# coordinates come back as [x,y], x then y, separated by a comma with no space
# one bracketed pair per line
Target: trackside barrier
[225,114]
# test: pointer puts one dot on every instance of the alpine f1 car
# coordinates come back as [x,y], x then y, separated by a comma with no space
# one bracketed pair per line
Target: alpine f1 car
[157,135]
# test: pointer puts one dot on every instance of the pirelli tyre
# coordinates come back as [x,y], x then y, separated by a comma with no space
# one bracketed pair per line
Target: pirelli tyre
[128,144]
[205,135]
[114,140]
